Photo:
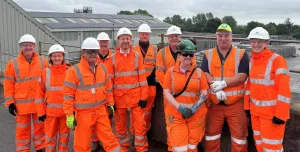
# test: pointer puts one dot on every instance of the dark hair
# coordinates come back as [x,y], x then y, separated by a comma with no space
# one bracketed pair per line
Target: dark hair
[51,62]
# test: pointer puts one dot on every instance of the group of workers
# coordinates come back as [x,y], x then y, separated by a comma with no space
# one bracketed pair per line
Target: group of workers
[105,88]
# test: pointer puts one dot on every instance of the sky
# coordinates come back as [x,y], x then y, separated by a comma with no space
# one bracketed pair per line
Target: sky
[243,11]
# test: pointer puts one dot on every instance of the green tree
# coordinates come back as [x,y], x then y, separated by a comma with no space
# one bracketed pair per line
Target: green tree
[271,28]
[282,29]
[209,15]
[253,24]
[200,22]
[168,20]
[288,24]
[240,29]
[189,25]
[125,12]
[230,21]
[142,12]
[212,25]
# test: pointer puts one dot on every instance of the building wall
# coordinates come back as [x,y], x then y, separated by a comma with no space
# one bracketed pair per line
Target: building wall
[15,22]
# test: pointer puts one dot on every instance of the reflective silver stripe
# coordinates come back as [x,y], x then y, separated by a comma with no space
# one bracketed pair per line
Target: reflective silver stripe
[38,137]
[89,105]
[282,71]
[16,67]
[141,72]
[139,143]
[231,93]
[139,137]
[190,146]
[163,55]
[21,101]
[8,98]
[38,122]
[181,148]
[48,77]
[50,139]
[38,101]
[209,58]
[110,75]
[161,68]
[147,112]
[122,141]
[109,90]
[27,79]
[126,86]
[271,142]
[78,73]
[63,144]
[68,97]
[189,94]
[136,60]
[50,147]
[143,83]
[258,142]
[64,135]
[22,125]
[149,60]
[209,138]
[22,147]
[124,74]
[256,133]
[117,149]
[89,87]
[247,92]
[284,99]
[22,141]
[262,81]
[264,103]
[269,67]
[219,78]
[250,65]
[239,141]
[70,84]
[271,150]
[38,142]
[54,105]
[121,136]
[103,68]
[155,52]
[9,78]
[149,69]
[172,80]
[237,60]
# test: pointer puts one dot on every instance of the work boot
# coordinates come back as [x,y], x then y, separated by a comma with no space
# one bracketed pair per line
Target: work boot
[95,146]
[41,150]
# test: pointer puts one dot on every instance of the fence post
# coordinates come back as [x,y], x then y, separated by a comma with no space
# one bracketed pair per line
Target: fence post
[40,48]
[162,38]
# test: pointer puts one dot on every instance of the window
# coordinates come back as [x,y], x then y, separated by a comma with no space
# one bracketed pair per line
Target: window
[152,21]
[136,21]
[71,20]
[142,21]
[118,20]
[94,20]
[127,21]
[83,20]
[39,20]
[104,20]
[53,20]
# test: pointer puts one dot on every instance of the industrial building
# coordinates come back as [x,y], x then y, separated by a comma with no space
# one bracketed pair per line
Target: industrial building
[68,29]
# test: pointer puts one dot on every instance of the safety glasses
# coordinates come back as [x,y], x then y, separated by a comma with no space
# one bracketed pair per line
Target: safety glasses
[187,54]
[91,51]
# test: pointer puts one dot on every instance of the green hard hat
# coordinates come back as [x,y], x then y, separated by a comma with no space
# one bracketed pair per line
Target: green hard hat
[186,46]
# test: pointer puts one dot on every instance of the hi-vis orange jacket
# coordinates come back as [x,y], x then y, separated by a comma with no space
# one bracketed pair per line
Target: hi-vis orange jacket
[150,58]
[21,80]
[164,61]
[221,71]
[85,90]
[50,96]
[268,91]
[106,60]
[129,78]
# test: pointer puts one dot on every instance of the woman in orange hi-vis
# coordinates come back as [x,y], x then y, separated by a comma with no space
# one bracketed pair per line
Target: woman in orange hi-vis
[185,123]
[49,101]
[268,94]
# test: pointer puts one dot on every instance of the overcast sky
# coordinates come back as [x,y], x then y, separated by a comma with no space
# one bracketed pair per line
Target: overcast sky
[243,11]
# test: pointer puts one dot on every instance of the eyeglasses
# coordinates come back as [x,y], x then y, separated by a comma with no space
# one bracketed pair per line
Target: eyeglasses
[125,39]
[91,51]
[223,35]
[187,54]
[257,41]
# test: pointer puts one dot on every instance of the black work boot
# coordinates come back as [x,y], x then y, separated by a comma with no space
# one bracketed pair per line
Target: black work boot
[95,146]
[41,150]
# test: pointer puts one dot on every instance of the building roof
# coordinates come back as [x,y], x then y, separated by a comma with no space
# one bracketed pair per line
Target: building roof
[67,21]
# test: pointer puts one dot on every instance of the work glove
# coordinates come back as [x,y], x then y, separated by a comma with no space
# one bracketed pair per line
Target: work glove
[143,103]
[277,121]
[221,96]
[186,112]
[71,122]
[218,85]
[248,116]
[111,111]
[42,118]
[12,109]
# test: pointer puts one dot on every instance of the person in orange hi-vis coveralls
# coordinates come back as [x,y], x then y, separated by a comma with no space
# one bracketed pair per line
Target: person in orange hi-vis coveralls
[87,90]
[130,92]
[186,127]
[49,101]
[167,57]
[149,53]
[20,84]
[226,69]
[268,94]
[104,55]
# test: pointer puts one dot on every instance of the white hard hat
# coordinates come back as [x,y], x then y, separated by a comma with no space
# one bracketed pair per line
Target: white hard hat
[144,28]
[173,30]
[259,33]
[90,43]
[56,48]
[27,38]
[123,31]
[102,36]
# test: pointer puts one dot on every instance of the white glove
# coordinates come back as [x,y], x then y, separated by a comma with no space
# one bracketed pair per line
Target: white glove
[218,85]
[221,96]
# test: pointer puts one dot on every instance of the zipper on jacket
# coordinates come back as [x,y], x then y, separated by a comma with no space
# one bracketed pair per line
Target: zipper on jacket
[222,69]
